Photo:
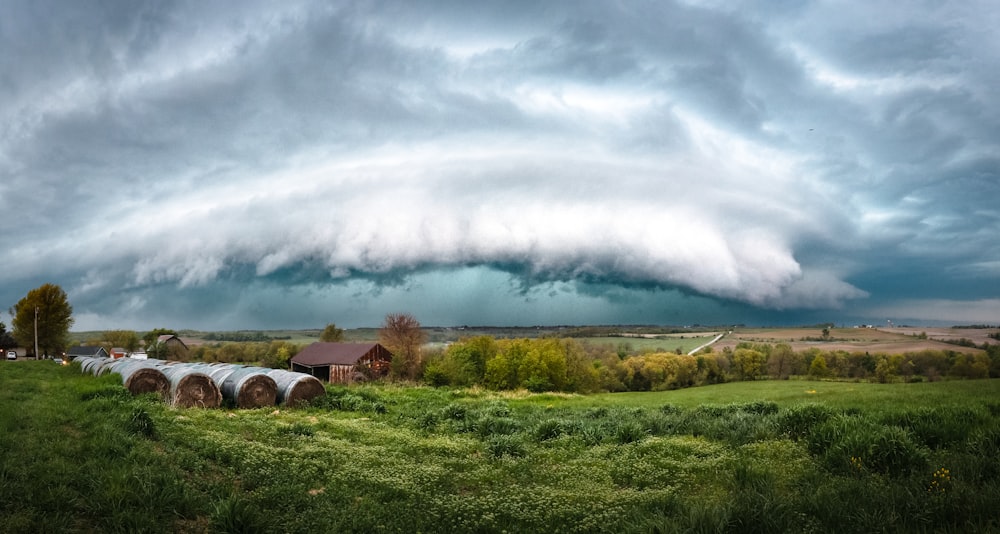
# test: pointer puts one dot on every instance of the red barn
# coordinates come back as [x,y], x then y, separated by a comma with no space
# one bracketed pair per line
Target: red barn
[343,362]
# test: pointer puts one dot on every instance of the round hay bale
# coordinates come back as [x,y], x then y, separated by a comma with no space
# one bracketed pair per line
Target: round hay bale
[220,373]
[190,388]
[295,389]
[93,365]
[86,362]
[249,387]
[104,366]
[140,377]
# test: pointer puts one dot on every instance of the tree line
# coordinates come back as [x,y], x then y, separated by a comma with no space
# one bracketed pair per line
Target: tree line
[549,364]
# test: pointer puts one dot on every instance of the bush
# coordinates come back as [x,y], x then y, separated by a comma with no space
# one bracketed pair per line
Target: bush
[505,445]
[555,428]
[435,376]
[141,424]
[454,411]
[234,516]
[629,432]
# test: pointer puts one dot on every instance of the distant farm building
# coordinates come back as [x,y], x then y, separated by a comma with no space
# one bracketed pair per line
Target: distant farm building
[118,352]
[170,347]
[343,362]
[85,350]
[172,342]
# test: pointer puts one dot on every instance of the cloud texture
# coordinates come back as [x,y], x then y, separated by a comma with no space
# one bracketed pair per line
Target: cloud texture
[291,164]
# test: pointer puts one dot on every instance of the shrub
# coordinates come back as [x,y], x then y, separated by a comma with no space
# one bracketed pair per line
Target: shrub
[297,429]
[234,515]
[505,445]
[435,376]
[489,425]
[454,411]
[141,424]
[629,432]
[671,409]
[554,428]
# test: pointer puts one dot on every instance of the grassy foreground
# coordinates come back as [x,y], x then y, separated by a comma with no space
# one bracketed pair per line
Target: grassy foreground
[80,455]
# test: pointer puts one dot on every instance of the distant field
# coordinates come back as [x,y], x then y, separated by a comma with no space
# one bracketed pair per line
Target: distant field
[890,341]
[664,343]
[648,339]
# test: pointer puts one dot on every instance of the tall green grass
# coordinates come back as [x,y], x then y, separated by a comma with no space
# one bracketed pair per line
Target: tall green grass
[81,455]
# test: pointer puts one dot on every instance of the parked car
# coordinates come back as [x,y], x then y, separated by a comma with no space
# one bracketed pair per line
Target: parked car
[59,360]
[11,355]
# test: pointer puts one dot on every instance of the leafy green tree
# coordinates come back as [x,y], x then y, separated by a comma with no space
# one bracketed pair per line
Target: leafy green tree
[54,318]
[126,339]
[582,374]
[543,367]
[749,363]
[502,369]
[884,371]
[818,368]
[464,362]
[279,354]
[711,367]
[332,334]
[783,362]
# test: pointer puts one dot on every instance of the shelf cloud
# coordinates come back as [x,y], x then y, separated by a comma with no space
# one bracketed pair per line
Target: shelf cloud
[292,164]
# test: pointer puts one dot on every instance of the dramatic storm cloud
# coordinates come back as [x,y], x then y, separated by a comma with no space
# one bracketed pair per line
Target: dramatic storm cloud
[288,164]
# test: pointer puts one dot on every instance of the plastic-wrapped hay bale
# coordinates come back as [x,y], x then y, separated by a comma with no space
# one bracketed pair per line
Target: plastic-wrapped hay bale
[95,366]
[220,372]
[190,388]
[104,366]
[296,388]
[141,376]
[249,387]
[87,363]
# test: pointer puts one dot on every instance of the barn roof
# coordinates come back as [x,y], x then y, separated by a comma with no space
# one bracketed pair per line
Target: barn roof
[84,350]
[163,338]
[321,353]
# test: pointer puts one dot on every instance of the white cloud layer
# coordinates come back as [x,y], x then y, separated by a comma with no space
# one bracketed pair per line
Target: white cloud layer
[791,161]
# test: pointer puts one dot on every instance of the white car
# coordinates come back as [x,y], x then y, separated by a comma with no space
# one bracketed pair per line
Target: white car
[11,355]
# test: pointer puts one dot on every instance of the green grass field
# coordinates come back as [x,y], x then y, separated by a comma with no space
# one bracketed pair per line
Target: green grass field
[638,345]
[81,455]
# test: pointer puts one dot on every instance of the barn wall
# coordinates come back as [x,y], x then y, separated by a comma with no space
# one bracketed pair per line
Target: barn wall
[341,373]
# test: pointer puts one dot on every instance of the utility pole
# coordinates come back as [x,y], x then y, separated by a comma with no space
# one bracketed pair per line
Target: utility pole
[36,332]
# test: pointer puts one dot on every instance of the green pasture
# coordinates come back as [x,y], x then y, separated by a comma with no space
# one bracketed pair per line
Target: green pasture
[835,394]
[639,345]
[81,455]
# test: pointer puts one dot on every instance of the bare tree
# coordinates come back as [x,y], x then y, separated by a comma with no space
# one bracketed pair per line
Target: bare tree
[401,334]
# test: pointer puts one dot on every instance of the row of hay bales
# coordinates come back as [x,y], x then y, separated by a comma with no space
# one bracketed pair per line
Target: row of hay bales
[207,385]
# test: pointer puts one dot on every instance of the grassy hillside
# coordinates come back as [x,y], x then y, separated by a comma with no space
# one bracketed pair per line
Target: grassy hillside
[81,455]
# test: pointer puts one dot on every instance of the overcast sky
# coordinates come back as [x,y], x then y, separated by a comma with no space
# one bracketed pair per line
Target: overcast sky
[252,165]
